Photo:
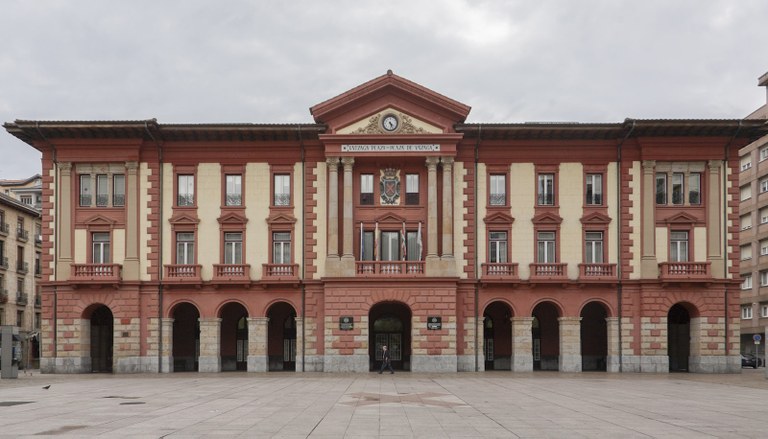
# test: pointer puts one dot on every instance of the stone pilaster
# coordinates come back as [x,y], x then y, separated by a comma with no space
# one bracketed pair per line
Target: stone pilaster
[522,344]
[714,215]
[432,259]
[570,344]
[447,207]
[257,344]
[131,262]
[613,359]
[166,352]
[64,207]
[348,257]
[210,342]
[332,262]
[650,265]
[299,344]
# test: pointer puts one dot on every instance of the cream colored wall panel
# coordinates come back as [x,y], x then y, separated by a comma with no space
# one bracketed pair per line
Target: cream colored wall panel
[80,246]
[321,223]
[459,223]
[570,197]
[52,224]
[613,212]
[634,223]
[208,211]
[662,244]
[144,211]
[167,173]
[365,122]
[118,246]
[257,181]
[522,198]
[298,213]
[481,201]
[699,244]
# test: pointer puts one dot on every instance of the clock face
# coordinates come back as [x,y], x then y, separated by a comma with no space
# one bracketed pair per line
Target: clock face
[390,122]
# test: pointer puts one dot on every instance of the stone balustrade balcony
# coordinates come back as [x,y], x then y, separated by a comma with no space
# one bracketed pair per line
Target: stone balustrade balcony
[96,273]
[390,268]
[183,273]
[685,271]
[549,271]
[232,273]
[597,271]
[500,271]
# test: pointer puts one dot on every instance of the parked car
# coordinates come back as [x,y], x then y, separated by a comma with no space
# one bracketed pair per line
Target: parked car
[750,360]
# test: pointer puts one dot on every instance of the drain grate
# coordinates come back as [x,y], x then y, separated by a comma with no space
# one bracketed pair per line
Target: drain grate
[12,403]
[131,403]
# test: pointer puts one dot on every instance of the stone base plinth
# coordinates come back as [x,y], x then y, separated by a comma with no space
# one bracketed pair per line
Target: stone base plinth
[466,363]
[569,363]
[209,364]
[257,363]
[346,363]
[434,363]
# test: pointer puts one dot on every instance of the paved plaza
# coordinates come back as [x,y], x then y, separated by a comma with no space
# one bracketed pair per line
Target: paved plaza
[317,405]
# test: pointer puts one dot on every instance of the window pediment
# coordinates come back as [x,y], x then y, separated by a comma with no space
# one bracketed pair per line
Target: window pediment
[183,218]
[99,220]
[595,218]
[682,218]
[281,218]
[232,218]
[499,218]
[547,218]
[390,218]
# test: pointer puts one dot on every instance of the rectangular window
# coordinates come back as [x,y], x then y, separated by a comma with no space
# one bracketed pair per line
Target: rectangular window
[281,247]
[102,190]
[746,312]
[366,189]
[746,252]
[118,190]
[233,248]
[498,247]
[412,246]
[20,318]
[498,190]
[746,282]
[234,195]
[763,310]
[545,247]
[26,199]
[763,215]
[694,188]
[186,196]
[412,189]
[764,185]
[745,192]
[390,246]
[764,278]
[745,221]
[594,189]
[101,251]
[546,194]
[185,248]
[85,190]
[661,188]
[38,267]
[367,246]
[678,246]
[282,190]
[594,248]
[746,162]
[677,188]
[764,247]
[763,153]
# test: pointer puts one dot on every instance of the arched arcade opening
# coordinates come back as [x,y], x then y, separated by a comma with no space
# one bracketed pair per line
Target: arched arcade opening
[186,337]
[281,337]
[102,324]
[546,336]
[594,337]
[233,347]
[497,336]
[679,336]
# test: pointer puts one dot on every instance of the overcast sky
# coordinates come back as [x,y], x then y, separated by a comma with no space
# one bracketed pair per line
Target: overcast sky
[268,62]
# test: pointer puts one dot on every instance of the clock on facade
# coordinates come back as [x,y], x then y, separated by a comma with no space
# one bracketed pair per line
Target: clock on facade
[390,122]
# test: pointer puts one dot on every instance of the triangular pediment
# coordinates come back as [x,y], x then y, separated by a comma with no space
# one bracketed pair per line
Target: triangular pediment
[361,109]
[281,218]
[682,218]
[547,218]
[499,218]
[390,218]
[182,218]
[596,218]
[99,220]
[233,218]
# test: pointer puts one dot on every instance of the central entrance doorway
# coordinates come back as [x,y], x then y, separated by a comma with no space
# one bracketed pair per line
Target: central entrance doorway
[390,325]
[102,328]
[678,338]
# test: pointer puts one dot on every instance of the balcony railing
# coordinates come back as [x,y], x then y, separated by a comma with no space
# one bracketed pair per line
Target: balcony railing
[685,270]
[390,268]
[500,270]
[3,295]
[4,262]
[22,267]
[96,272]
[597,271]
[183,272]
[38,240]
[231,272]
[555,271]
[4,229]
[22,235]
[21,298]
[280,271]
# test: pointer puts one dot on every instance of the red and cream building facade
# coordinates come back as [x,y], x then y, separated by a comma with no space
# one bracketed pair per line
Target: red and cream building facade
[390,220]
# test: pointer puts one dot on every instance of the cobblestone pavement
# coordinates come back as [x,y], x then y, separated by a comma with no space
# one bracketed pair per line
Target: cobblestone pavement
[317,405]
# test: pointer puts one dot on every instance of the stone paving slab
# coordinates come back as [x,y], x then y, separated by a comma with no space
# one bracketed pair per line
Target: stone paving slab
[404,405]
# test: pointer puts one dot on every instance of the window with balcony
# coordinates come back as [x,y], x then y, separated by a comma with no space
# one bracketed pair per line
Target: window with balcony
[546,190]
[185,248]
[745,192]
[26,199]
[366,189]
[233,248]
[497,248]
[677,187]
[282,190]
[412,189]
[498,190]
[20,319]
[21,264]
[678,246]
[118,190]
[390,246]
[694,188]
[186,190]
[3,258]
[746,312]
[367,247]
[545,248]
[3,224]
[593,247]
[594,189]
[413,246]
[234,190]
[745,251]
[281,248]
[746,282]
[101,248]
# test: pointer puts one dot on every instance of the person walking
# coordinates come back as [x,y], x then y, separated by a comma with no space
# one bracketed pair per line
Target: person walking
[386,360]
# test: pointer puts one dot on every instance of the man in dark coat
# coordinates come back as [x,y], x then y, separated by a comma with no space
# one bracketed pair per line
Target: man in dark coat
[386,360]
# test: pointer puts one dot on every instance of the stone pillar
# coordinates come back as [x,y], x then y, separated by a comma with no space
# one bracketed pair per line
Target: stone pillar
[299,344]
[650,265]
[64,218]
[570,344]
[131,262]
[210,342]
[166,353]
[714,215]
[447,207]
[522,344]
[614,350]
[432,260]
[258,360]
[332,260]
[348,257]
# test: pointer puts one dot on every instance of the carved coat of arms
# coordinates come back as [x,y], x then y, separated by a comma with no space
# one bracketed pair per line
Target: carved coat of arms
[390,186]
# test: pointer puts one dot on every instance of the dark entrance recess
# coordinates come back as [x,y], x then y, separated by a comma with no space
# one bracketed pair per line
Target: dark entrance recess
[234,337]
[391,326]
[546,337]
[186,338]
[102,328]
[281,346]
[678,338]
[594,337]
[497,336]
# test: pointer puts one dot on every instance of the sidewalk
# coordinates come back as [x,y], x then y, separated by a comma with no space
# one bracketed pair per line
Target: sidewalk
[289,405]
